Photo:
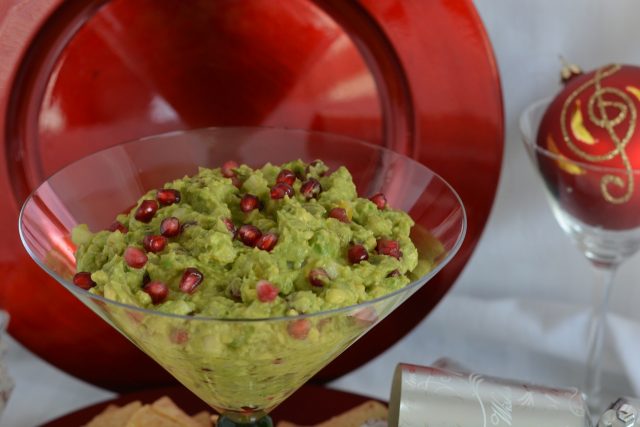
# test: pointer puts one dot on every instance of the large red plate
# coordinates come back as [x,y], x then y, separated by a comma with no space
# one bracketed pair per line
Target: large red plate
[146,66]
[297,408]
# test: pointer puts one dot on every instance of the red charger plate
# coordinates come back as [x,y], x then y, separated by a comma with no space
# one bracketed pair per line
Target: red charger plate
[73,81]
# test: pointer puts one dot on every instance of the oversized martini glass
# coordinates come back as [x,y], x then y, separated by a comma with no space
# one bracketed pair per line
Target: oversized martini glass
[243,368]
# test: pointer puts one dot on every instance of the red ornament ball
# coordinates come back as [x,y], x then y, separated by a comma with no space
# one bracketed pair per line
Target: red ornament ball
[589,138]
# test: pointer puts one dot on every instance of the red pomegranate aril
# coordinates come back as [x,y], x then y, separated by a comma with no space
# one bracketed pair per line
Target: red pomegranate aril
[154,243]
[186,225]
[191,279]
[357,254]
[280,190]
[135,257]
[83,280]
[380,200]
[299,329]
[267,242]
[394,273]
[249,202]
[157,290]
[167,196]
[266,291]
[286,176]
[228,168]
[135,316]
[146,210]
[310,188]
[318,277]
[179,336]
[366,316]
[249,235]
[118,226]
[340,214]
[230,225]
[170,227]
[236,182]
[389,247]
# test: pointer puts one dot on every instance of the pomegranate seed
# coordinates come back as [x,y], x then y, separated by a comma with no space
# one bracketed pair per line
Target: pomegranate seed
[267,242]
[167,196]
[380,200]
[136,316]
[286,176]
[340,214]
[394,273]
[179,336]
[267,291]
[280,190]
[236,294]
[83,280]
[118,226]
[146,210]
[299,329]
[186,225]
[249,202]
[158,291]
[365,317]
[236,182]
[249,235]
[170,227]
[228,168]
[310,188]
[318,277]
[230,225]
[389,247]
[357,253]
[135,257]
[154,243]
[191,279]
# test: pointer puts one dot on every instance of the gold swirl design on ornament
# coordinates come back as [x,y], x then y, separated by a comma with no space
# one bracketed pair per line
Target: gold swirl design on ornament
[597,109]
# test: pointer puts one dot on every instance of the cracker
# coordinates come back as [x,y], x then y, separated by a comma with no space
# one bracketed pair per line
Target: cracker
[147,417]
[364,414]
[204,419]
[165,407]
[114,416]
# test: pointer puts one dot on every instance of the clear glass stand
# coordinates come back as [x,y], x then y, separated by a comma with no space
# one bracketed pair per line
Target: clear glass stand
[605,275]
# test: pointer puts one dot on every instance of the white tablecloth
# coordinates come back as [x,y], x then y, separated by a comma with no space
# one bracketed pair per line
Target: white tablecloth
[519,310]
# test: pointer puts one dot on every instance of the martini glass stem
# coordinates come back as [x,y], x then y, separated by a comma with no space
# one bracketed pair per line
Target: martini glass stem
[593,384]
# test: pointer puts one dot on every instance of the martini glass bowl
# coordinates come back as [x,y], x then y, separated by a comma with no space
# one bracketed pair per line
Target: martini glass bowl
[598,206]
[243,368]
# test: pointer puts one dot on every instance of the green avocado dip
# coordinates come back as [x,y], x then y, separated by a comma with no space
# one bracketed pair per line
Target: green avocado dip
[240,243]
[307,260]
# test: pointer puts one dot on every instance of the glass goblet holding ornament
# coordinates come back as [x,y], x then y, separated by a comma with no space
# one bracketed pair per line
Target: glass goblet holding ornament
[585,144]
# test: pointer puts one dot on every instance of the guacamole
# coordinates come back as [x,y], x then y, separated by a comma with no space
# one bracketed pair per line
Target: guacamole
[241,243]
[236,242]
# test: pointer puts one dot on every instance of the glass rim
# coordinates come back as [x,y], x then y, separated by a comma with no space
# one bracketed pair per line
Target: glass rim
[529,136]
[413,285]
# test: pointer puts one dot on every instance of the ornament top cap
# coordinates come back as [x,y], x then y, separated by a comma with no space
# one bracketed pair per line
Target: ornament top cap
[569,71]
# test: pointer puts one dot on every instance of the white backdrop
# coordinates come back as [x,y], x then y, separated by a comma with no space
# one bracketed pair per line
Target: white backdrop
[519,310]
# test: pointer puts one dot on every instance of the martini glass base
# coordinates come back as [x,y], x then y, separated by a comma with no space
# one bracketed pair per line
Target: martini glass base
[261,422]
